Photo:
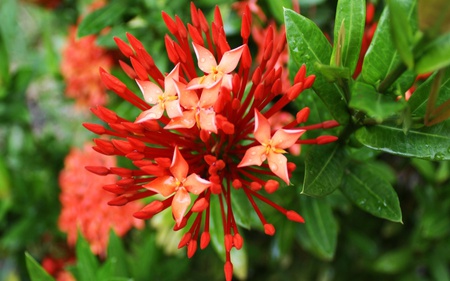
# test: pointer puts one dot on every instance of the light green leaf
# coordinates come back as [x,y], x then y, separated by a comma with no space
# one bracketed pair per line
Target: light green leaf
[276,8]
[352,14]
[371,192]
[428,142]
[216,227]
[320,225]
[309,46]
[35,270]
[116,255]
[324,168]
[87,264]
[382,56]
[435,55]
[101,18]
[243,210]
[376,105]
[401,33]
[333,73]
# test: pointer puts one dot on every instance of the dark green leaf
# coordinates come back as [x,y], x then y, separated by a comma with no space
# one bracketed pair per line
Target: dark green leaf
[87,263]
[435,55]
[352,14]
[35,270]
[324,168]
[243,210]
[309,46]
[427,142]
[116,255]
[321,226]
[393,262]
[382,57]
[401,33]
[4,67]
[376,105]
[101,18]
[371,192]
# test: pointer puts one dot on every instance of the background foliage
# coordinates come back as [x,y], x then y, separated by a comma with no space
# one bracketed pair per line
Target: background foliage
[376,203]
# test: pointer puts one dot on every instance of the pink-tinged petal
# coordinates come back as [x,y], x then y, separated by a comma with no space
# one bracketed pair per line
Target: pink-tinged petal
[196,83]
[227,81]
[185,121]
[206,60]
[153,113]
[230,59]
[278,165]
[169,87]
[212,79]
[262,128]
[164,185]
[179,167]
[286,138]
[150,91]
[173,108]
[207,120]
[180,203]
[188,99]
[253,156]
[209,95]
[195,184]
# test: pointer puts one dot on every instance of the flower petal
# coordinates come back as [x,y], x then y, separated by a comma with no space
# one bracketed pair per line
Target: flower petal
[207,120]
[210,95]
[253,156]
[179,167]
[153,113]
[173,108]
[188,99]
[164,185]
[185,121]
[278,165]
[286,138]
[150,90]
[195,184]
[262,128]
[230,59]
[206,60]
[169,87]
[180,203]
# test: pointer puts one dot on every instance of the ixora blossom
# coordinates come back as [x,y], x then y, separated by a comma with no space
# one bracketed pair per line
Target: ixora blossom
[84,206]
[210,137]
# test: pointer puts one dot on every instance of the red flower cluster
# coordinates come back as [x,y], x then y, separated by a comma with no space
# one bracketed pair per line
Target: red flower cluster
[200,136]
[84,204]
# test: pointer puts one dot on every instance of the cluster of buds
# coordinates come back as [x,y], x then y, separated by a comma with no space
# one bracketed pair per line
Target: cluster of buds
[200,136]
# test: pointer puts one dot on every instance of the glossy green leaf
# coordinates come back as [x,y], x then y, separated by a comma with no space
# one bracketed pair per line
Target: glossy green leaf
[371,192]
[382,57]
[324,168]
[376,105]
[116,255]
[435,55]
[352,14]
[333,73]
[216,227]
[427,142]
[320,225]
[101,18]
[401,33]
[308,45]
[87,264]
[35,270]
[243,210]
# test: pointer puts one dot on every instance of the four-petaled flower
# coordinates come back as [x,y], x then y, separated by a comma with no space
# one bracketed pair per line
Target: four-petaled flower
[271,148]
[180,184]
[215,72]
[167,100]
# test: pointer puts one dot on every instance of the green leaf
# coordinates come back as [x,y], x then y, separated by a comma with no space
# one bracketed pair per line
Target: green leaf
[116,255]
[216,227]
[35,270]
[4,67]
[333,73]
[376,105]
[276,7]
[309,46]
[324,168]
[434,16]
[243,210]
[101,18]
[382,57]
[87,264]
[352,14]
[320,225]
[401,33]
[435,55]
[371,192]
[428,142]
[393,261]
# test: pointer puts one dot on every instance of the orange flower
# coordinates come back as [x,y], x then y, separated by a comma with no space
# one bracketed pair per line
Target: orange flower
[84,203]
[81,59]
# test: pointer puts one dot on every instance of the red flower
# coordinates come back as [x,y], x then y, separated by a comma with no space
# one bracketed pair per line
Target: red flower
[190,164]
[83,202]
